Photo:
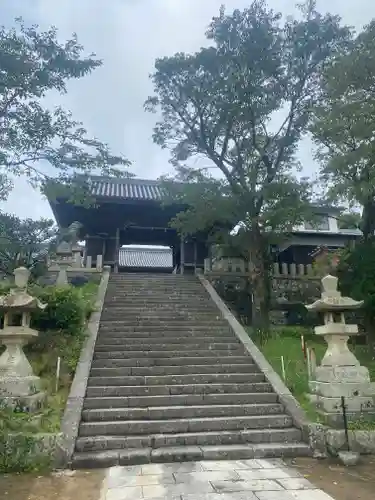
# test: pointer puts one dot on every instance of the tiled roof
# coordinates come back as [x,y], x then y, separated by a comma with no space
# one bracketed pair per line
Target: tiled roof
[146,257]
[131,189]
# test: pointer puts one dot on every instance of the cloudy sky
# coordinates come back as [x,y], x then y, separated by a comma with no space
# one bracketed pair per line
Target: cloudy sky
[129,35]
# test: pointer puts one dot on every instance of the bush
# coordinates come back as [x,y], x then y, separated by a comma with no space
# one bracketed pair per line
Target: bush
[67,309]
[296,314]
[356,273]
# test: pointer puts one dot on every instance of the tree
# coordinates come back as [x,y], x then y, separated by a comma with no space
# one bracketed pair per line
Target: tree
[36,142]
[344,128]
[220,104]
[349,220]
[24,243]
[356,273]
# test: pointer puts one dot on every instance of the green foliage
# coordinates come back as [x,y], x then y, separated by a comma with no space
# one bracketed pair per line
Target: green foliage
[356,273]
[286,342]
[292,331]
[17,454]
[37,142]
[349,220]
[24,243]
[219,106]
[344,127]
[67,309]
[362,424]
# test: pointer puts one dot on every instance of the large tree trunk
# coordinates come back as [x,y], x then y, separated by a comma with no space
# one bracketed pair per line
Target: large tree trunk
[259,276]
[368,219]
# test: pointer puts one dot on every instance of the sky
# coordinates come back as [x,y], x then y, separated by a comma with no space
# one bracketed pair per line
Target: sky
[128,35]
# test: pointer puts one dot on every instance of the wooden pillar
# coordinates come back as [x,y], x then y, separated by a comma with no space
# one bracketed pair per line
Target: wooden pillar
[103,249]
[117,249]
[182,255]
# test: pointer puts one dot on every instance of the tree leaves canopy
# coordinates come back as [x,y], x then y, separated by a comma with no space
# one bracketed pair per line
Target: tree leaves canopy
[24,242]
[220,103]
[344,127]
[37,142]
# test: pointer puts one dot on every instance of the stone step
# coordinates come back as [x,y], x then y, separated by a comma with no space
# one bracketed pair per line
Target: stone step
[126,345]
[154,303]
[167,390]
[179,400]
[156,341]
[174,412]
[159,300]
[109,458]
[160,308]
[97,443]
[167,330]
[149,281]
[157,337]
[177,288]
[176,314]
[166,354]
[172,321]
[177,309]
[167,361]
[204,378]
[183,425]
[173,370]
[175,320]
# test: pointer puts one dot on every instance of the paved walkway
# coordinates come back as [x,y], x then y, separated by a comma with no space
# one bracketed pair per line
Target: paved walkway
[223,480]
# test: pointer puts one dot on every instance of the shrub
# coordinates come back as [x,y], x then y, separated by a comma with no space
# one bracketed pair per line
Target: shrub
[67,309]
[356,273]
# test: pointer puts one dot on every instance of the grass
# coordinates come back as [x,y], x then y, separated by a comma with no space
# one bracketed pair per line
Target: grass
[289,346]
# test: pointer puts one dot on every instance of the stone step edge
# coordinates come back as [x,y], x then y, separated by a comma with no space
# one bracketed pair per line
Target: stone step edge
[129,380]
[125,399]
[218,406]
[138,456]
[100,442]
[112,387]
[250,368]
[191,420]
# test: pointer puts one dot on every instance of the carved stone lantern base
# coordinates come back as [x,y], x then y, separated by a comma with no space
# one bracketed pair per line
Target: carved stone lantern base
[358,394]
[26,403]
[19,387]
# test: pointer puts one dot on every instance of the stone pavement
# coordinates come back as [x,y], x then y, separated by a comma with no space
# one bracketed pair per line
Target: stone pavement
[222,480]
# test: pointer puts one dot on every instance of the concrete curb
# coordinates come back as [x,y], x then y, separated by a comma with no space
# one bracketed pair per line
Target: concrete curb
[73,409]
[286,398]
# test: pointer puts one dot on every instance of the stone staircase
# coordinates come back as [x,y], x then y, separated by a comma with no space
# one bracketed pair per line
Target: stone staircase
[170,381]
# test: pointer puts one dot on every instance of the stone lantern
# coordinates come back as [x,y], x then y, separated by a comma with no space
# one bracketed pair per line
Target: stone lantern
[19,387]
[340,373]
[64,261]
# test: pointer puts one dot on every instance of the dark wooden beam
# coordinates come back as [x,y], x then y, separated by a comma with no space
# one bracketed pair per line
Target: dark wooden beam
[182,255]
[117,249]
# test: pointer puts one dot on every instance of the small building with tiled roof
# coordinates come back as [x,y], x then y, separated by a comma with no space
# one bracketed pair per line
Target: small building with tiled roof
[130,211]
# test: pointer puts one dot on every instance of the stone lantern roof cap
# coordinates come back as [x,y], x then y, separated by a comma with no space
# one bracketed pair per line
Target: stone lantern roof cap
[332,300]
[20,300]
